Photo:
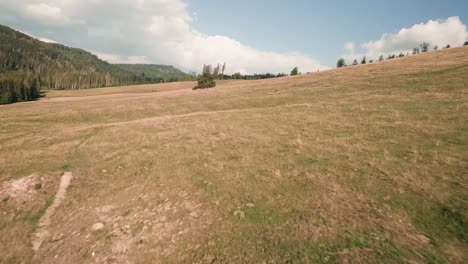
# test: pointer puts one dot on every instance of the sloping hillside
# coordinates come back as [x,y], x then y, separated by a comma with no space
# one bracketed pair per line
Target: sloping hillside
[61,67]
[365,164]
[152,71]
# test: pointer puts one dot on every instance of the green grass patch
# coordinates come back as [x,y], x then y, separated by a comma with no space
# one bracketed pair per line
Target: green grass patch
[442,223]
[431,259]
[66,167]
[34,218]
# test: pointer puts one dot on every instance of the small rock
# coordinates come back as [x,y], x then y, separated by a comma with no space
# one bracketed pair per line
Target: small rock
[423,239]
[239,214]
[97,226]
[57,237]
[194,214]
[104,171]
[250,205]
[209,259]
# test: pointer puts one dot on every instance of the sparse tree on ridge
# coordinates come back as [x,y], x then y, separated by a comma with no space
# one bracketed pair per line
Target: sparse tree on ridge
[424,47]
[295,71]
[466,43]
[381,58]
[237,76]
[371,61]
[364,60]
[401,55]
[436,47]
[216,71]
[415,51]
[448,46]
[340,63]
[223,69]
[355,62]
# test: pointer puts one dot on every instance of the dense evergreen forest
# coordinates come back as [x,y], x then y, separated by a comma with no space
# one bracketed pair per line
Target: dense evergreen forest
[18,86]
[56,66]
[152,72]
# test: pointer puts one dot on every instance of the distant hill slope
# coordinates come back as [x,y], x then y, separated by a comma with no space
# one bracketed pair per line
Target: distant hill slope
[154,71]
[61,67]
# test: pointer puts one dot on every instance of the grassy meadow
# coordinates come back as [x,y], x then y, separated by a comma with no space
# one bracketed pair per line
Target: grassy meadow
[366,164]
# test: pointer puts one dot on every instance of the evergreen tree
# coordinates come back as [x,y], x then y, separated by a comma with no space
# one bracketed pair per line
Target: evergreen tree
[224,68]
[466,43]
[355,62]
[364,60]
[205,80]
[19,86]
[415,51]
[424,47]
[216,72]
[381,58]
[295,71]
[340,63]
[237,76]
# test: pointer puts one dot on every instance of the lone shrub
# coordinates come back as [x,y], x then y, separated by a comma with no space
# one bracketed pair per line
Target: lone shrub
[206,80]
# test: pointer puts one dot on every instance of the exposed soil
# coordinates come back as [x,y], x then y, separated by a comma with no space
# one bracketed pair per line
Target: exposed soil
[43,232]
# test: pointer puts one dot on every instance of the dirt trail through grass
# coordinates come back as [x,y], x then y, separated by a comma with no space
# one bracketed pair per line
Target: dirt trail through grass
[42,232]
[166,117]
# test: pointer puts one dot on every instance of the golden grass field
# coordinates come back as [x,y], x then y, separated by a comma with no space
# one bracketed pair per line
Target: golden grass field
[366,164]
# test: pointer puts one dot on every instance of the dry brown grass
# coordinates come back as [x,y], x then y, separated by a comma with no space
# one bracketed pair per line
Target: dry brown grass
[362,164]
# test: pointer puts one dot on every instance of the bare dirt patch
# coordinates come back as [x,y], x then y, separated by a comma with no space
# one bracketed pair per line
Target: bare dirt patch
[20,189]
[43,232]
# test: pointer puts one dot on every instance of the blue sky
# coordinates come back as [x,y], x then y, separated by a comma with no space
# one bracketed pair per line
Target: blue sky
[250,36]
[317,28]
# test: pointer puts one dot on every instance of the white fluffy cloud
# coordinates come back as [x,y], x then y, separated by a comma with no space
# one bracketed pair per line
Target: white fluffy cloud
[144,31]
[450,31]
[45,13]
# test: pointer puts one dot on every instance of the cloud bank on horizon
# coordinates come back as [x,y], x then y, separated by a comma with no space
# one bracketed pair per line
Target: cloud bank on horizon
[138,31]
[162,32]
[442,32]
